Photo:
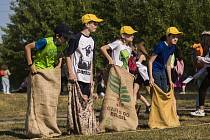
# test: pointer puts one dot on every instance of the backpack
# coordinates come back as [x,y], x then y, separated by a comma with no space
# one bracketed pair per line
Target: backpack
[132,65]
[179,67]
[2,73]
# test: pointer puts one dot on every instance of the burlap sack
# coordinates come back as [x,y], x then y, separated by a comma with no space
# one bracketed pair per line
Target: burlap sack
[163,110]
[118,110]
[81,118]
[43,92]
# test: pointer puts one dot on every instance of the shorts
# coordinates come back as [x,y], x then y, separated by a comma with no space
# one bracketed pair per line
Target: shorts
[161,80]
[85,88]
[139,80]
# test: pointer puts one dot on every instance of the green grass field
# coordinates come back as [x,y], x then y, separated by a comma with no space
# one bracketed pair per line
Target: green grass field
[13,107]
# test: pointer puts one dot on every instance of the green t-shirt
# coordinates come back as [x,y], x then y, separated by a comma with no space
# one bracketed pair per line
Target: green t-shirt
[47,54]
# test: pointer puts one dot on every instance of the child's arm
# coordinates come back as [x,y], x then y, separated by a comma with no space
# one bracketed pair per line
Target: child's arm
[69,64]
[28,49]
[105,53]
[168,67]
[142,58]
[143,50]
[151,60]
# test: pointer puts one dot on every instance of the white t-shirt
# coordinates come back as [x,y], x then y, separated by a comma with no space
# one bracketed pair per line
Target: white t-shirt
[120,53]
[142,71]
[82,49]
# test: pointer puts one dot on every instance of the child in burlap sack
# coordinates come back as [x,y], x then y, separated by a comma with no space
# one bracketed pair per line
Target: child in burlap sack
[160,81]
[80,57]
[44,83]
[118,111]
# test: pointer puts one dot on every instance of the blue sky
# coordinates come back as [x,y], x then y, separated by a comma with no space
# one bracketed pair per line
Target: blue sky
[4,14]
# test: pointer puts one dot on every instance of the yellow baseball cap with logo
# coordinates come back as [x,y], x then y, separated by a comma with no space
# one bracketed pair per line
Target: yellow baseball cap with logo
[127,30]
[173,30]
[90,17]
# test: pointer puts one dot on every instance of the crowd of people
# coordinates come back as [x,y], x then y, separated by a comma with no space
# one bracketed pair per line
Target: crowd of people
[163,69]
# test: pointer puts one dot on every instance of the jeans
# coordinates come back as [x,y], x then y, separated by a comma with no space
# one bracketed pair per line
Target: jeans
[5,84]
[161,80]
[203,90]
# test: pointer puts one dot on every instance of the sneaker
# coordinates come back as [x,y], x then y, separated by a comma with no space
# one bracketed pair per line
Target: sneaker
[182,92]
[148,109]
[102,94]
[198,113]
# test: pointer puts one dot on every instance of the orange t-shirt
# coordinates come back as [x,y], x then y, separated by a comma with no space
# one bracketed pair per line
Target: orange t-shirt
[199,52]
[198,49]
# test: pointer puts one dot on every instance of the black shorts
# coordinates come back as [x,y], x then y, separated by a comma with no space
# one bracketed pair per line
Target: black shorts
[139,80]
[85,88]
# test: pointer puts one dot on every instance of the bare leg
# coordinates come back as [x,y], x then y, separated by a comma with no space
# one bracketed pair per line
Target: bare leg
[148,89]
[144,100]
[135,91]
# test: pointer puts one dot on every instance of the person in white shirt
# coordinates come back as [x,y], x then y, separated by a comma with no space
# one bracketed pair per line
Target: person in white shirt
[121,48]
[141,76]
[80,55]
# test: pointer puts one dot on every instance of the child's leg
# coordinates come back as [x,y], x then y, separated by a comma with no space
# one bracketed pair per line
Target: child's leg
[183,88]
[197,102]
[8,86]
[161,80]
[144,100]
[135,91]
[164,83]
[202,95]
[203,91]
[4,85]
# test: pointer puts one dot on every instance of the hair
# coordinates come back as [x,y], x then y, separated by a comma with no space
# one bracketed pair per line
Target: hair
[140,50]
[4,67]
[197,41]
[138,40]
[205,43]
[163,38]
[179,54]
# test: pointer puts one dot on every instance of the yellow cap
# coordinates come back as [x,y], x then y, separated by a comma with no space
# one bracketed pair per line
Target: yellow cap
[127,30]
[173,30]
[90,17]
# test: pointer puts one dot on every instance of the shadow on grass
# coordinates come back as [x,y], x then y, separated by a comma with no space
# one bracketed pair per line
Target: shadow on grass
[17,133]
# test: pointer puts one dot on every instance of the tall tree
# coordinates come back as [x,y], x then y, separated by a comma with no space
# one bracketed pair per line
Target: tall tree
[33,19]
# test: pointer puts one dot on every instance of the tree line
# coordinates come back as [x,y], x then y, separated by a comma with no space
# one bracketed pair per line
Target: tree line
[34,19]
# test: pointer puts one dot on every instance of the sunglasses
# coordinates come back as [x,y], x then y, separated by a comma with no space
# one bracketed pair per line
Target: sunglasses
[94,23]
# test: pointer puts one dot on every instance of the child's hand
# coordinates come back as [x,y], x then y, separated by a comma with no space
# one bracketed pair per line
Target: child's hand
[199,59]
[111,62]
[33,69]
[72,77]
[58,66]
[151,82]
[171,84]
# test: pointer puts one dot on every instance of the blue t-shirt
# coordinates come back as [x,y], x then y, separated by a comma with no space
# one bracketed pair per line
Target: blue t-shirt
[40,44]
[163,52]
